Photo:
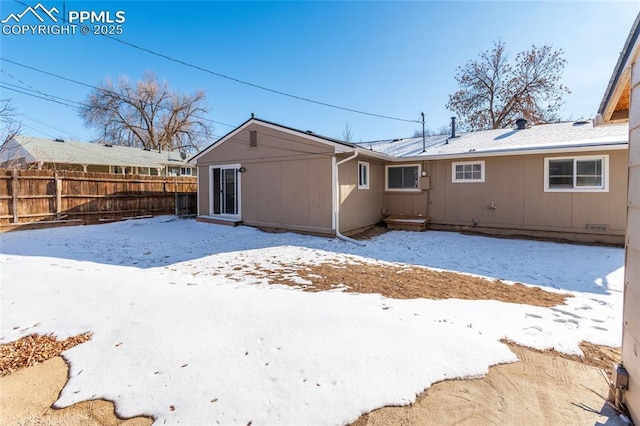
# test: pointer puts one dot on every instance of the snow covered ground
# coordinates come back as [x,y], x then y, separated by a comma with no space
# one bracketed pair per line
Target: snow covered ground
[178,333]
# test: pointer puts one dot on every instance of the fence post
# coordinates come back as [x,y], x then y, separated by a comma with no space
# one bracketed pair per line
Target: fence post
[14,193]
[175,197]
[58,195]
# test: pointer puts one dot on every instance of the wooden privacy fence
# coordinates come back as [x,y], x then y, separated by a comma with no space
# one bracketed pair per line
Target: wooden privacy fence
[28,196]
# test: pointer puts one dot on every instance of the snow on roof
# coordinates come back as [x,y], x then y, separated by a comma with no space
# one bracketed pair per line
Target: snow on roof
[404,147]
[73,152]
[546,136]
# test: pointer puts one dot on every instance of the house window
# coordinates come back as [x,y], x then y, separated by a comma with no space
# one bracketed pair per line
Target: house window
[574,174]
[467,171]
[403,178]
[185,171]
[363,175]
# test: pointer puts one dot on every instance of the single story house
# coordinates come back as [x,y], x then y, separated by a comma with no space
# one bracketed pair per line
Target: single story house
[565,180]
[621,104]
[58,154]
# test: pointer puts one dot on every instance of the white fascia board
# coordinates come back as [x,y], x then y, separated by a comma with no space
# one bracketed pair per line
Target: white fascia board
[373,154]
[338,148]
[505,153]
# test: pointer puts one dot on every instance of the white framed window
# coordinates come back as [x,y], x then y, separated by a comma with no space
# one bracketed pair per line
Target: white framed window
[185,171]
[576,174]
[467,171]
[363,175]
[404,177]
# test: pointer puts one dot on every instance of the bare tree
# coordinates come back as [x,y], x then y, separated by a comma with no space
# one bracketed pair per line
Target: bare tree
[346,134]
[9,126]
[494,93]
[442,130]
[147,114]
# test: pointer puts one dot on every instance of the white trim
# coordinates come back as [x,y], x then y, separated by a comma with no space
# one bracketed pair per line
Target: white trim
[386,177]
[197,191]
[454,179]
[617,146]
[238,195]
[334,184]
[338,148]
[367,167]
[605,174]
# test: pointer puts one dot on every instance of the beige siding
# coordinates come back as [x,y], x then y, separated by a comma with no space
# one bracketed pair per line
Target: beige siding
[360,207]
[631,325]
[203,191]
[287,183]
[407,203]
[514,186]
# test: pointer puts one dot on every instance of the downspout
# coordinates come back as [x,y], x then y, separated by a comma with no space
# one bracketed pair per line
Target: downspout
[337,212]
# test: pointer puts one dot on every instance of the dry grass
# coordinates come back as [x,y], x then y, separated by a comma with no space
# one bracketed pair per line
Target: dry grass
[33,349]
[412,282]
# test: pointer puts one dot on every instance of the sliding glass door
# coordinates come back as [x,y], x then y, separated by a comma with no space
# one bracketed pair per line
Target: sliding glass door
[225,191]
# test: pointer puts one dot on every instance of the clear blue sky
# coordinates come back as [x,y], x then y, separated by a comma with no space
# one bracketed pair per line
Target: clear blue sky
[390,58]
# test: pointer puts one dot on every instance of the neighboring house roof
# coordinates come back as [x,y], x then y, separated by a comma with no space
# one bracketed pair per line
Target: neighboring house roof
[336,143]
[72,152]
[615,102]
[559,136]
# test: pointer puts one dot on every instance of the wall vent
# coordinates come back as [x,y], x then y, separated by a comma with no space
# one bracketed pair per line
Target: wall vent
[253,138]
[597,227]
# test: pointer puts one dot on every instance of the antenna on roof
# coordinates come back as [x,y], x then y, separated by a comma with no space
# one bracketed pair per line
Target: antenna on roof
[424,145]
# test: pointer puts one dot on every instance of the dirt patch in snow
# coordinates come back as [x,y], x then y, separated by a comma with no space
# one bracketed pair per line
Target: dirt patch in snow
[28,395]
[411,282]
[602,357]
[541,388]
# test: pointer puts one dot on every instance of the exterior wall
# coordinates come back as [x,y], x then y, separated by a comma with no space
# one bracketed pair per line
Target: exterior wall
[514,185]
[631,324]
[204,192]
[287,183]
[407,203]
[360,207]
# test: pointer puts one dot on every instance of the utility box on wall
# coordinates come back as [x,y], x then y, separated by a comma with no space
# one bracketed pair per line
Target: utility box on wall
[425,182]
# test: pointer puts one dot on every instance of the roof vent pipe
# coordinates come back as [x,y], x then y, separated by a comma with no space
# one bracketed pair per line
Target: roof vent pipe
[453,127]
[521,124]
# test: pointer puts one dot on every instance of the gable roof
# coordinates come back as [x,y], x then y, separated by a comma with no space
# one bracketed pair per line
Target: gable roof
[73,152]
[337,144]
[580,135]
[615,102]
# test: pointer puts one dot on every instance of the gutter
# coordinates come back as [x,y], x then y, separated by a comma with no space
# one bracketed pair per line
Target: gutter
[337,209]
[559,149]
